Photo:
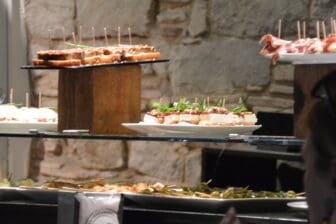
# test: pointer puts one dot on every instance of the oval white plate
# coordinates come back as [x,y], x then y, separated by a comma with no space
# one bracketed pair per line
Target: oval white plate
[299,205]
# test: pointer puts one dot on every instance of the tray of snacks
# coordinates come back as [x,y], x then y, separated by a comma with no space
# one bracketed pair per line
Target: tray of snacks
[83,56]
[196,119]
[14,119]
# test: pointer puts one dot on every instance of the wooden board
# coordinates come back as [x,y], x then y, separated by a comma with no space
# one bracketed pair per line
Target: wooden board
[305,78]
[99,99]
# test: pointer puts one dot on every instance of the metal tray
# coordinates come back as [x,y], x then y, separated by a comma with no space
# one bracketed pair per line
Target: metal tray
[250,205]
[122,63]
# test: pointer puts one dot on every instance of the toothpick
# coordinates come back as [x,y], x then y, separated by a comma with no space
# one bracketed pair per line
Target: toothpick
[279,28]
[223,102]
[304,29]
[240,100]
[334,27]
[208,101]
[130,35]
[118,35]
[64,41]
[324,30]
[27,100]
[93,37]
[74,37]
[39,99]
[299,29]
[49,42]
[11,94]
[105,34]
[331,26]
[80,35]
[318,29]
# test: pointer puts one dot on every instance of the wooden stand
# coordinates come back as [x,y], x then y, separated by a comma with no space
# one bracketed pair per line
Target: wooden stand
[306,76]
[99,99]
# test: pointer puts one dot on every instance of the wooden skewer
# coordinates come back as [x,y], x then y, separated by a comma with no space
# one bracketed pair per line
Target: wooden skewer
[130,35]
[334,27]
[223,102]
[332,31]
[208,101]
[324,30]
[27,100]
[80,35]
[118,35]
[39,99]
[74,37]
[11,94]
[318,29]
[49,42]
[106,39]
[64,41]
[299,29]
[279,28]
[93,37]
[304,29]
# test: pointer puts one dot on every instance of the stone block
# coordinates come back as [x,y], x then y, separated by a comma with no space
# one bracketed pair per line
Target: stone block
[113,14]
[157,159]
[245,18]
[281,89]
[266,101]
[193,168]
[177,15]
[42,15]
[47,84]
[208,68]
[198,18]
[99,155]
[283,73]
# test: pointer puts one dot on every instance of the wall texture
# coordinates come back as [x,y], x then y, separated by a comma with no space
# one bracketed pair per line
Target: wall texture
[213,50]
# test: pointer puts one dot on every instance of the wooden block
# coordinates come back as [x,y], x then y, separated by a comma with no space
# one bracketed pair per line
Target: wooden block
[305,78]
[99,99]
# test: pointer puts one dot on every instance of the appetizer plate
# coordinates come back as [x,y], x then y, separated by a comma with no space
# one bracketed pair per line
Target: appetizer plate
[186,130]
[18,127]
[301,58]
[298,205]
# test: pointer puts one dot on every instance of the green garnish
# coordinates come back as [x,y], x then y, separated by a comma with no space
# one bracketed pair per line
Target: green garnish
[78,45]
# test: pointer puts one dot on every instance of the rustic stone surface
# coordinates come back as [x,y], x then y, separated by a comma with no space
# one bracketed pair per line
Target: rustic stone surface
[283,73]
[56,14]
[255,18]
[172,15]
[147,69]
[205,69]
[47,84]
[193,168]
[150,82]
[266,101]
[114,13]
[198,18]
[48,102]
[171,31]
[53,146]
[157,159]
[257,109]
[323,10]
[149,94]
[251,88]
[100,155]
[281,89]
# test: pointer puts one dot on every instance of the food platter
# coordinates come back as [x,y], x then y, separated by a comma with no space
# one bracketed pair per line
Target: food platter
[121,63]
[187,130]
[302,58]
[20,127]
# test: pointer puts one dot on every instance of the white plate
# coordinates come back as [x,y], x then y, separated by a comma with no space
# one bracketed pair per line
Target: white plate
[18,127]
[299,205]
[181,130]
[301,58]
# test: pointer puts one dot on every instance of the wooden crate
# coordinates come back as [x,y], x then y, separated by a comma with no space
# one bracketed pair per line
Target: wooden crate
[99,99]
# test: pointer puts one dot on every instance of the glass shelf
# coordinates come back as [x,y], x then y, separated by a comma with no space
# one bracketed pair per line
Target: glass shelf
[249,139]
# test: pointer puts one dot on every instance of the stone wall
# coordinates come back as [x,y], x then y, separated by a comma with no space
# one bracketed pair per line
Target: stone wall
[213,50]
